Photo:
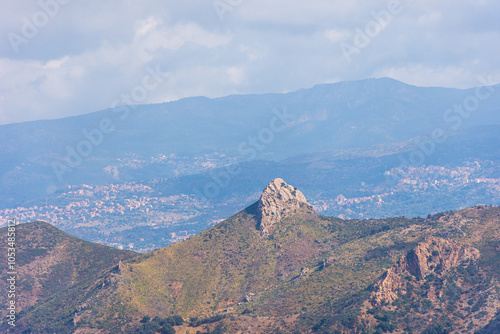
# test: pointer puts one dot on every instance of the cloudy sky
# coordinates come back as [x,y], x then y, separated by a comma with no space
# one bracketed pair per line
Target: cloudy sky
[68,57]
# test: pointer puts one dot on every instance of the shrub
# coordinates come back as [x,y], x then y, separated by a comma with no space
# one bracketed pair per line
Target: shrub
[167,329]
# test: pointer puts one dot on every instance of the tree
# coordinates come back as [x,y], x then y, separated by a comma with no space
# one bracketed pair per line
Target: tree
[167,329]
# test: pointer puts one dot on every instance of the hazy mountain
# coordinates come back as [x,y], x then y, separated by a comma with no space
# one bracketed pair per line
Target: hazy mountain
[149,141]
[370,182]
[277,267]
[329,174]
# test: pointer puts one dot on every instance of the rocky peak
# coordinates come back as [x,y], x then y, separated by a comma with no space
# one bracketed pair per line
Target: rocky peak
[278,201]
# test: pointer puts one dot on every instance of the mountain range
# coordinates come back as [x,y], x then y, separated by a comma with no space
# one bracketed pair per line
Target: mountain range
[192,135]
[274,267]
[144,176]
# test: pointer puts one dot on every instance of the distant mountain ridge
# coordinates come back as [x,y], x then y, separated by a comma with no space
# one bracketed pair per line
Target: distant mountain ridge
[39,157]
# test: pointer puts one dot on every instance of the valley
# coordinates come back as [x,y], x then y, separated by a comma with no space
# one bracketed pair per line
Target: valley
[143,216]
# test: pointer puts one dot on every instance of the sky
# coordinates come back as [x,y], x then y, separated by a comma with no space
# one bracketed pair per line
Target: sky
[60,58]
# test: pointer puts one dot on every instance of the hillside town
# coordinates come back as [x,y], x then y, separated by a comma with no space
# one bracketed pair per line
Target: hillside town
[136,216]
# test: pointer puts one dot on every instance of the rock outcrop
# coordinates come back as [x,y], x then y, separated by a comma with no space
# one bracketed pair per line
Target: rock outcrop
[278,201]
[434,255]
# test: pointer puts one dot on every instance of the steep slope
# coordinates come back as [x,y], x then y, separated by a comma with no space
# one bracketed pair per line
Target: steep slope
[305,273]
[448,282]
[49,263]
[439,279]
[218,268]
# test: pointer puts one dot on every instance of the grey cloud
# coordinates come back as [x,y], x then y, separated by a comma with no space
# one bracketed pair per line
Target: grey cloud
[92,52]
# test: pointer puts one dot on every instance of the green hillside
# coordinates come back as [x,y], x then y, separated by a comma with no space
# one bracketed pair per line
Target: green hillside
[53,267]
[310,274]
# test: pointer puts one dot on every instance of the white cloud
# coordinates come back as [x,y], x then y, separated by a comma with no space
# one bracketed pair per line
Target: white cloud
[429,19]
[143,26]
[152,35]
[253,53]
[337,36]
[92,52]
[236,74]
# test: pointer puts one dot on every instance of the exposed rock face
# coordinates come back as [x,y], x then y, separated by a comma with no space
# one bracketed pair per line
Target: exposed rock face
[304,271]
[278,201]
[434,255]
